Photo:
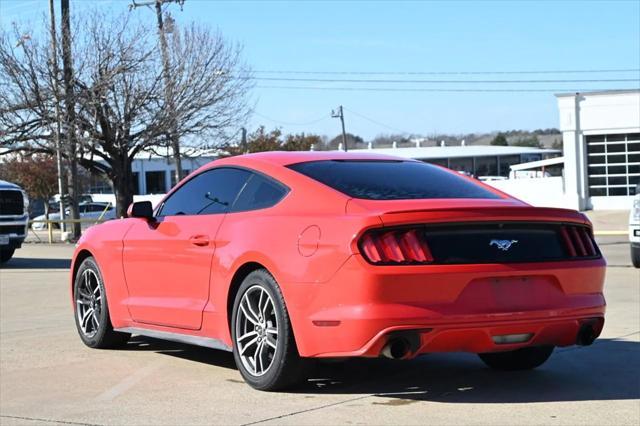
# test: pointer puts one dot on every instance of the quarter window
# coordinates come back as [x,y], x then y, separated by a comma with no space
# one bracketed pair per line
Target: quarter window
[211,192]
[259,193]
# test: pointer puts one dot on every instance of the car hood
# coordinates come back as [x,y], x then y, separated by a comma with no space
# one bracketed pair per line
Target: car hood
[8,185]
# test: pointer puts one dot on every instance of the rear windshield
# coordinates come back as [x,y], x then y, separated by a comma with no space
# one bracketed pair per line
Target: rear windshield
[391,180]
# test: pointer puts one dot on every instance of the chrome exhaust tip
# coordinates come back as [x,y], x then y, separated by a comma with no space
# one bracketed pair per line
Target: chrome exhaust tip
[395,349]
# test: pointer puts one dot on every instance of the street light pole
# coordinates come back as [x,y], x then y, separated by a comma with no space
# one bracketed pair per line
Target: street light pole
[54,66]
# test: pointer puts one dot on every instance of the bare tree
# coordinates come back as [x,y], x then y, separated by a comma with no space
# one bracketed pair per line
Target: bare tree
[119,94]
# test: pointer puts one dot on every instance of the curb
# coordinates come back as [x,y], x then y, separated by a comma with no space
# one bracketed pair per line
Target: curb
[603,233]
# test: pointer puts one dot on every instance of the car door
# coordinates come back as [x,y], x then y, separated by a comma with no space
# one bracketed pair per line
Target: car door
[167,262]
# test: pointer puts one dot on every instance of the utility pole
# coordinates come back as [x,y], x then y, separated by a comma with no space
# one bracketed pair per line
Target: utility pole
[243,142]
[174,140]
[70,114]
[56,93]
[340,114]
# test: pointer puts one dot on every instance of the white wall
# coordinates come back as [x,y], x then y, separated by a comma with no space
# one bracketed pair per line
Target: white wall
[539,192]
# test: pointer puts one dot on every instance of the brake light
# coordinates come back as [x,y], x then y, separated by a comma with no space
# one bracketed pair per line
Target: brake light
[395,247]
[578,241]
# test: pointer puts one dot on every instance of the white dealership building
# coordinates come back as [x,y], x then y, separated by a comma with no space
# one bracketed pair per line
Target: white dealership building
[601,141]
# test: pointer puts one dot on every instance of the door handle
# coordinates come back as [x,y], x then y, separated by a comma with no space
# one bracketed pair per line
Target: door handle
[199,240]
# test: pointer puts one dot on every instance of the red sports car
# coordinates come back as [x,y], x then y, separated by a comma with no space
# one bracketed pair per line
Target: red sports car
[283,257]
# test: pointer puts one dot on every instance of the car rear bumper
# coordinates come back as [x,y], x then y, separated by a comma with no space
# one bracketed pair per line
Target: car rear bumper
[446,308]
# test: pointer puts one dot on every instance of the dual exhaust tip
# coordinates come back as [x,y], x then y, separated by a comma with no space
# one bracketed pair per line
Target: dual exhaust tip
[403,345]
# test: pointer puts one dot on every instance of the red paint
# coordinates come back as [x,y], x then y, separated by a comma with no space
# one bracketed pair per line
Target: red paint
[175,275]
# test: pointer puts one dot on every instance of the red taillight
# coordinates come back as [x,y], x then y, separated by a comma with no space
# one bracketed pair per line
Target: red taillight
[578,241]
[395,247]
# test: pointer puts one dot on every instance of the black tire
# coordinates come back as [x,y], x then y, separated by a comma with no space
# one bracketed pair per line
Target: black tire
[635,256]
[287,368]
[103,336]
[520,359]
[6,254]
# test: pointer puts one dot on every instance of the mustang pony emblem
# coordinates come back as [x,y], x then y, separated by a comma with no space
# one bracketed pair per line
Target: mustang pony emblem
[503,244]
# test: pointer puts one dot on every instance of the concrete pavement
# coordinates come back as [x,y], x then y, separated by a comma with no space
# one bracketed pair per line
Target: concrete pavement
[47,376]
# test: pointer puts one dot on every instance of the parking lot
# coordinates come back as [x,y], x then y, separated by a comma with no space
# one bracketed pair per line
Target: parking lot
[47,376]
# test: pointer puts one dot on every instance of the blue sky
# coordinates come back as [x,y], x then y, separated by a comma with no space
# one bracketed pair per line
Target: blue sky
[385,36]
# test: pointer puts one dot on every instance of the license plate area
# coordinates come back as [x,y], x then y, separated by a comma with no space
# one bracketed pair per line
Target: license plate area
[4,240]
[511,294]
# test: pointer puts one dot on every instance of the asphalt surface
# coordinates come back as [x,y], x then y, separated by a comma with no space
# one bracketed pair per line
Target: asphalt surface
[47,376]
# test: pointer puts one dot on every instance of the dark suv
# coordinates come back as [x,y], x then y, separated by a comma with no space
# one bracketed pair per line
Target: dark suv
[14,218]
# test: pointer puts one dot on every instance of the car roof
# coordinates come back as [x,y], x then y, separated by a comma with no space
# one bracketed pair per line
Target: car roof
[285,158]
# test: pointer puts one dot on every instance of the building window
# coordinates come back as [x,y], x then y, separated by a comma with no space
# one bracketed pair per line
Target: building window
[99,184]
[156,183]
[136,183]
[613,164]
[463,164]
[506,161]
[486,166]
[437,161]
[185,173]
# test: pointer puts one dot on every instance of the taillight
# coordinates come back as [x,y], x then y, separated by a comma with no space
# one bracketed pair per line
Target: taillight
[578,241]
[395,247]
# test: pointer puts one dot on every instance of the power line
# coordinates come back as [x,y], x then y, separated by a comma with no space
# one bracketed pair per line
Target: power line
[583,71]
[288,123]
[394,81]
[423,89]
[395,129]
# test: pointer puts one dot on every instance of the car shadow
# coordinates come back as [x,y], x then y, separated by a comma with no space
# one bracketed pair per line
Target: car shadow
[607,370]
[183,351]
[36,263]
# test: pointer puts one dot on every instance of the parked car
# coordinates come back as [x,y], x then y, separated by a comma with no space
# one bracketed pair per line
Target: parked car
[91,210]
[14,219]
[285,257]
[634,229]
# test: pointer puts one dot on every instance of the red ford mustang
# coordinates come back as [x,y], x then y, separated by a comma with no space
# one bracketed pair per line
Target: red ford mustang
[282,257]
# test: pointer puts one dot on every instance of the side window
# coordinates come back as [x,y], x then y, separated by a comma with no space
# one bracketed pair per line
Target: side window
[259,193]
[210,192]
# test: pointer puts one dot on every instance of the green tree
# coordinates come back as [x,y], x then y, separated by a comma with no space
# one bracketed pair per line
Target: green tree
[557,144]
[301,142]
[530,141]
[500,140]
[353,142]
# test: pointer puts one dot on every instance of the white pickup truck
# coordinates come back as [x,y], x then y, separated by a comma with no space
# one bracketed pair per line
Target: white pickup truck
[14,219]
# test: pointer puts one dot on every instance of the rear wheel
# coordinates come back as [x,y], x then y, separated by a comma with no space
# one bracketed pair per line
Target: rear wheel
[6,254]
[520,359]
[264,347]
[91,309]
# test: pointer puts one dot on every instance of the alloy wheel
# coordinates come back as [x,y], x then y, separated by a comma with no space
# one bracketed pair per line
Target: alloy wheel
[256,331]
[89,303]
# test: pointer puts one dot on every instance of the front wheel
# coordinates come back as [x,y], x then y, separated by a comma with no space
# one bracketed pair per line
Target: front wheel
[264,347]
[520,359]
[91,309]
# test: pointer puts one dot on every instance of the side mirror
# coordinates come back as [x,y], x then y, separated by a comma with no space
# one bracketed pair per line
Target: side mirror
[141,209]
